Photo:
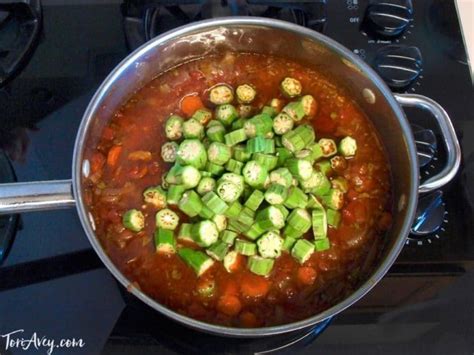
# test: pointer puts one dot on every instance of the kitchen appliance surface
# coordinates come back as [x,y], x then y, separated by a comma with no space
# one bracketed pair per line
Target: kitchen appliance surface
[44,105]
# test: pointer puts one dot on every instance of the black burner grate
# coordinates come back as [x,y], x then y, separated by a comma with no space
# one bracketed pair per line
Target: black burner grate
[20,24]
[144,20]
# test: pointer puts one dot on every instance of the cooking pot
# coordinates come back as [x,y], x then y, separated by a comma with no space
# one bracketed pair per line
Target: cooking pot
[258,35]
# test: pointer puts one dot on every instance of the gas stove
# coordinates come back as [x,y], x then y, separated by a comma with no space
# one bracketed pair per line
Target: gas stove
[67,49]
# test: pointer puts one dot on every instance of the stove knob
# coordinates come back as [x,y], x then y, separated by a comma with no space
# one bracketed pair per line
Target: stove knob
[429,215]
[426,144]
[387,18]
[398,65]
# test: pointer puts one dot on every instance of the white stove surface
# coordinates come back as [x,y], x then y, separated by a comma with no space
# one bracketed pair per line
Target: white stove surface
[465,10]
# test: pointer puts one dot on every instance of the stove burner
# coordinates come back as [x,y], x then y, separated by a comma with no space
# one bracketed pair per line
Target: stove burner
[20,23]
[3,17]
[8,224]
[138,321]
[311,14]
[144,20]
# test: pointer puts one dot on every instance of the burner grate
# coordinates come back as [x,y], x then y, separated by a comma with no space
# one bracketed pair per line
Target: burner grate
[20,24]
[144,20]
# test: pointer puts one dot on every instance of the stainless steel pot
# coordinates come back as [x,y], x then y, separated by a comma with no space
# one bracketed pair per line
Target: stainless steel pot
[260,35]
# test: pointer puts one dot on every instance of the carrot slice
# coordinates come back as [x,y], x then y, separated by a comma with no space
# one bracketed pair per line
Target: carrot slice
[190,104]
[254,286]
[306,275]
[113,155]
[229,305]
[248,319]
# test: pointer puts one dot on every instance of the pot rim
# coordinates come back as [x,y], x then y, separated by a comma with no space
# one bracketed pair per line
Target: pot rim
[247,21]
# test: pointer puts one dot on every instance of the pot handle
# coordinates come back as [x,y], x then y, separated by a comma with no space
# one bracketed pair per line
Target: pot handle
[449,137]
[35,196]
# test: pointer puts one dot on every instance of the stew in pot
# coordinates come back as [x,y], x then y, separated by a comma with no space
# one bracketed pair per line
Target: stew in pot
[244,190]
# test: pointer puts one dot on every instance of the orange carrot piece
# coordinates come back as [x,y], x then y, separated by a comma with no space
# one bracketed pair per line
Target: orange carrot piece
[113,155]
[248,319]
[229,305]
[190,104]
[306,275]
[254,286]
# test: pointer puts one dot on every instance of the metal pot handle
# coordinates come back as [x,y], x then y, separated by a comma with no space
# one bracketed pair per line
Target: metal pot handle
[449,137]
[35,196]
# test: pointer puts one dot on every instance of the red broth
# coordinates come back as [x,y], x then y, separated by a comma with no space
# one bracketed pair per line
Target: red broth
[292,292]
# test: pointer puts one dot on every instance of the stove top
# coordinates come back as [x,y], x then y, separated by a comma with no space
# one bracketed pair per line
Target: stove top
[51,270]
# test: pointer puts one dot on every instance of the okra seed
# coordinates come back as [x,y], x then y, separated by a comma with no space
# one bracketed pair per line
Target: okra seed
[402,202]
[91,220]
[86,168]
[369,96]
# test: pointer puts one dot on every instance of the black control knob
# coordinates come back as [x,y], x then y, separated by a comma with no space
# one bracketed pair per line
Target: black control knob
[426,144]
[387,18]
[399,65]
[429,215]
